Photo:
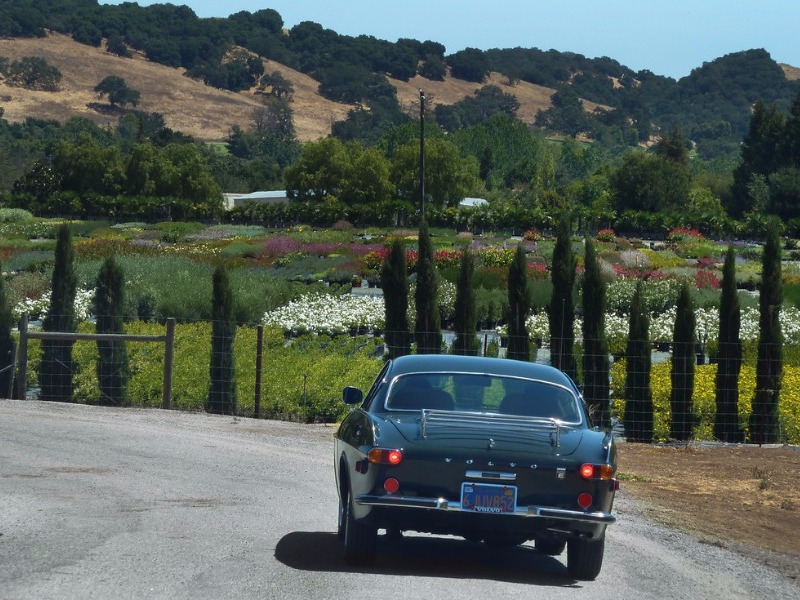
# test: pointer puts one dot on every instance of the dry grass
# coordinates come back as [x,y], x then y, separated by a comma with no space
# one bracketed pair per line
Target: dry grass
[203,112]
[532,98]
[792,73]
[188,106]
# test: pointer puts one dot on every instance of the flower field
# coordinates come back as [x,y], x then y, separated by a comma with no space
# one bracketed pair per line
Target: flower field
[296,281]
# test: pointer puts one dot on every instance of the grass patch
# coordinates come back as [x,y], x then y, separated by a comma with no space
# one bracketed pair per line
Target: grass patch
[631,477]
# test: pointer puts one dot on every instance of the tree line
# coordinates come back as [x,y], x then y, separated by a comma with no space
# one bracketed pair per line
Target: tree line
[142,169]
[424,337]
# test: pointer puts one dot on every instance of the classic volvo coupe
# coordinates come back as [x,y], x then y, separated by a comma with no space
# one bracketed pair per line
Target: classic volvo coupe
[489,449]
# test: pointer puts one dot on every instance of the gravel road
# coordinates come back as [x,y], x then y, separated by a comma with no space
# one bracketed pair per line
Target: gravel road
[112,503]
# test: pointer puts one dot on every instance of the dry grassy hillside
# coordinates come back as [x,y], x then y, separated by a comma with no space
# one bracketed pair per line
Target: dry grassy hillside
[188,106]
[198,110]
[532,98]
[792,73]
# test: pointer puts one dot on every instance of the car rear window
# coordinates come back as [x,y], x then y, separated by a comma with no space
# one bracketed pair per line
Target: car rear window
[483,393]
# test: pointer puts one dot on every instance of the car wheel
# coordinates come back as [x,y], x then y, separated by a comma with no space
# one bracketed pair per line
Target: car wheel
[358,539]
[585,558]
[550,547]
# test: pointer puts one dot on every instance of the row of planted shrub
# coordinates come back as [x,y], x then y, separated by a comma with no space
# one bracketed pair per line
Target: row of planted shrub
[704,399]
[303,377]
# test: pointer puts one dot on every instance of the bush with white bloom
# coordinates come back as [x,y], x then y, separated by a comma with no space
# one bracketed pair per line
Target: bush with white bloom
[38,307]
[662,327]
[321,313]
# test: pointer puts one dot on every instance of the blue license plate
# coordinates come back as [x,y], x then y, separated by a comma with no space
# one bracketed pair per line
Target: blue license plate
[488,498]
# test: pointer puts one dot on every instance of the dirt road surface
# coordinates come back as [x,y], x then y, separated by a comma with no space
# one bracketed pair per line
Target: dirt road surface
[127,503]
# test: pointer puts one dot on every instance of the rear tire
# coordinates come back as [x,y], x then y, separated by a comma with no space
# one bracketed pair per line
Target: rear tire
[550,547]
[585,558]
[358,539]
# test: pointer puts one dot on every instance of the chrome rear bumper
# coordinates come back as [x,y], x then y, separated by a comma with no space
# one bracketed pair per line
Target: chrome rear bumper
[540,512]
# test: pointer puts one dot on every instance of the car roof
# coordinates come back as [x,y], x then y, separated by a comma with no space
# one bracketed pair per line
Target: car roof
[437,363]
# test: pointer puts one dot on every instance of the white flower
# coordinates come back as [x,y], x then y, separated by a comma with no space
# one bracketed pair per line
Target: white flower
[321,313]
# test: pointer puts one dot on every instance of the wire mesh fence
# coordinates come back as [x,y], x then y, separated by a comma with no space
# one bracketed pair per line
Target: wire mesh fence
[272,373]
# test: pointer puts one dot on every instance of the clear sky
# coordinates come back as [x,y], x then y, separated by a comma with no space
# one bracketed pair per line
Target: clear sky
[668,37]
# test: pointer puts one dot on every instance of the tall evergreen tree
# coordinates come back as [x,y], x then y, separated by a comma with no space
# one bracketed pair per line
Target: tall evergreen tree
[222,392]
[394,283]
[729,363]
[764,420]
[562,304]
[113,371]
[57,367]
[595,343]
[465,318]
[6,344]
[761,153]
[682,367]
[427,329]
[638,394]
[519,306]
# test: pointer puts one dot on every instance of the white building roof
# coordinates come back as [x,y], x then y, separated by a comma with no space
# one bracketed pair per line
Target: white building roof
[473,202]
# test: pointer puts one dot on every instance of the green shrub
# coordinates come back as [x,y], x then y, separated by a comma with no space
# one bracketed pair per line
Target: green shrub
[176,231]
[541,292]
[15,215]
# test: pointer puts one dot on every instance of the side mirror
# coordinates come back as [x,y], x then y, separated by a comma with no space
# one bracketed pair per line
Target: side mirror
[352,395]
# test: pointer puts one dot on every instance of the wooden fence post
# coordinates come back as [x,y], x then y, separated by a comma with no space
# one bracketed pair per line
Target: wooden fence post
[169,351]
[22,358]
[259,361]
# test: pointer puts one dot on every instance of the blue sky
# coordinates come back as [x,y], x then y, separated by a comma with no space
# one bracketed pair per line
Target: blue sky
[668,37]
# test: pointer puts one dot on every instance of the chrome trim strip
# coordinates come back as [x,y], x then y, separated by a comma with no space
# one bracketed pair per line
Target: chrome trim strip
[535,512]
[496,422]
[493,475]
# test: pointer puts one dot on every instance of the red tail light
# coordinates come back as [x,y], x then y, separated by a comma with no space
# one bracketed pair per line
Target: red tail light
[383,456]
[585,501]
[589,471]
[391,485]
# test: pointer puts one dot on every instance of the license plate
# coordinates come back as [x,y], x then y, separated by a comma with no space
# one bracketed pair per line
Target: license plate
[488,498]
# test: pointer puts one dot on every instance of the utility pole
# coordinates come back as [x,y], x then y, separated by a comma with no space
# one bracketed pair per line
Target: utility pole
[422,151]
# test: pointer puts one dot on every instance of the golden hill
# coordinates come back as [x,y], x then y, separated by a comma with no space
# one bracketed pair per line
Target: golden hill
[201,111]
[792,73]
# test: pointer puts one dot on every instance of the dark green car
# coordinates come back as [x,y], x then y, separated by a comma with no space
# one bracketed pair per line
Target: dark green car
[489,449]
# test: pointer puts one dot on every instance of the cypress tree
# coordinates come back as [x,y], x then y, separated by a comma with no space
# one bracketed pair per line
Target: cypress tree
[394,283]
[595,344]
[519,305]
[6,344]
[561,310]
[638,394]
[222,392]
[465,319]
[57,367]
[764,422]
[113,371]
[682,367]
[427,329]
[729,363]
